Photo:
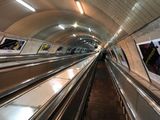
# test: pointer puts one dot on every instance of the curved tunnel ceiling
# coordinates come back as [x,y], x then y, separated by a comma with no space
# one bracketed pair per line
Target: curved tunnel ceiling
[109,20]
[42,24]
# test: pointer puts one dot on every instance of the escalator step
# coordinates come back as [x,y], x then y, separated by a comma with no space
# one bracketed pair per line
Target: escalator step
[103,101]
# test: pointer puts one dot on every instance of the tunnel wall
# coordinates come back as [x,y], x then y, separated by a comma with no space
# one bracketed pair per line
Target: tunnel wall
[133,57]
[148,33]
[32,45]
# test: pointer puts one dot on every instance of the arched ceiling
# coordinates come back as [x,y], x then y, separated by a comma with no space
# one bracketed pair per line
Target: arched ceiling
[130,15]
[110,20]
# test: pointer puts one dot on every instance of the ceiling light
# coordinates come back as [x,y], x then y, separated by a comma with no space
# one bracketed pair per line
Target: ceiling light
[119,30]
[93,36]
[115,35]
[136,5]
[74,35]
[127,19]
[105,46]
[26,5]
[79,5]
[89,29]
[61,26]
[75,25]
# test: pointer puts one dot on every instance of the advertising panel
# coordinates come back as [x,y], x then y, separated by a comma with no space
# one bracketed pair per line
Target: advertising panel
[11,45]
[31,47]
[44,48]
[150,54]
[121,56]
[115,51]
[113,55]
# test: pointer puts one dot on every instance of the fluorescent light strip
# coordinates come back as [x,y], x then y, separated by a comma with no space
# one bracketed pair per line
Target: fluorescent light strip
[26,5]
[79,7]
[75,25]
[119,31]
[60,26]
[74,35]
[89,29]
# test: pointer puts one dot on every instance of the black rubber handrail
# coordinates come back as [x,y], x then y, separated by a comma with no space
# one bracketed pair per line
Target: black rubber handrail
[42,61]
[10,58]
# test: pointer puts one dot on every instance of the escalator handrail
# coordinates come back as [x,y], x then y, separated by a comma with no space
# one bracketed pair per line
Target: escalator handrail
[32,63]
[150,98]
[37,78]
[70,85]
[10,58]
[121,93]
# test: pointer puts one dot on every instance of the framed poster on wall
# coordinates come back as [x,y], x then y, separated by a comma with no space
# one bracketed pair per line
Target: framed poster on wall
[11,45]
[115,51]
[113,55]
[44,48]
[150,54]
[121,56]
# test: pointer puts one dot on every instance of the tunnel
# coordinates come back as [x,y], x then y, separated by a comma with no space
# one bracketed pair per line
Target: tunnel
[80,60]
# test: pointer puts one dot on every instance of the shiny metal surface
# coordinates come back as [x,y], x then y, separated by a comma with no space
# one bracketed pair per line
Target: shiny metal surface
[68,74]
[23,107]
[41,94]
[151,102]
[21,112]
[141,104]
[37,59]
[72,71]
[129,108]
[12,81]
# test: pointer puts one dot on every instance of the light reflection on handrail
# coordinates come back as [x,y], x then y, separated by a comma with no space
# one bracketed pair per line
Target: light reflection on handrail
[151,102]
[123,94]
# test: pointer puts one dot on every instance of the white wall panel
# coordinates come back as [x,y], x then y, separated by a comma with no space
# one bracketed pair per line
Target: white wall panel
[10,50]
[54,48]
[31,47]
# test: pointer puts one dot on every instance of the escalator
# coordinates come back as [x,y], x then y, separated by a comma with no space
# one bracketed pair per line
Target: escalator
[86,90]
[103,102]
[51,97]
